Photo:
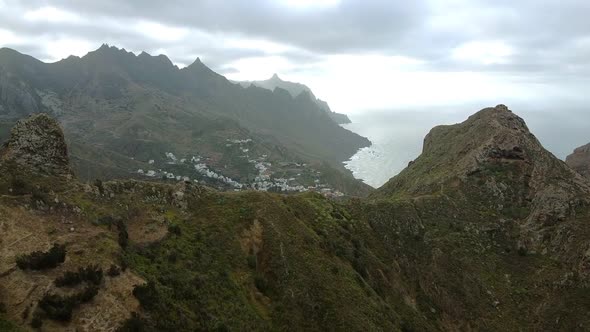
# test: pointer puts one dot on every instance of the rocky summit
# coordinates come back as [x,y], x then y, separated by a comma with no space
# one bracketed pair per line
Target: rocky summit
[38,145]
[495,160]
[484,231]
[580,160]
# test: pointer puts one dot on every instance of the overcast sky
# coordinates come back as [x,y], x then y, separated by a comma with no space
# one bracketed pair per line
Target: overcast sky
[358,55]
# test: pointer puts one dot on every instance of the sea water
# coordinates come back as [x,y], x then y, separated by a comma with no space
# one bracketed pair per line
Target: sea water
[397,135]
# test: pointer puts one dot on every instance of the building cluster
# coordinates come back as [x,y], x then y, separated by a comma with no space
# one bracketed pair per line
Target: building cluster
[202,169]
[262,182]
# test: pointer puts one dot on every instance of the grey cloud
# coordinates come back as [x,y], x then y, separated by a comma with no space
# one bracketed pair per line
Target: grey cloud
[544,34]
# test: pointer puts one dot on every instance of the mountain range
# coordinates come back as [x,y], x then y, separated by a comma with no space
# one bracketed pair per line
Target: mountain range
[296,89]
[484,231]
[127,115]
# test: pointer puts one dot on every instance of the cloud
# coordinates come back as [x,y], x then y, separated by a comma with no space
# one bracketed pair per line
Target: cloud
[484,52]
[423,51]
[51,14]
[160,32]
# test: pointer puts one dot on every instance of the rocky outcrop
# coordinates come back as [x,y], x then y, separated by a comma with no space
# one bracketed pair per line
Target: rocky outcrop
[580,160]
[493,162]
[37,144]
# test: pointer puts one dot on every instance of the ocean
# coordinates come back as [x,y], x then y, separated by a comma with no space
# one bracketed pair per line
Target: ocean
[397,135]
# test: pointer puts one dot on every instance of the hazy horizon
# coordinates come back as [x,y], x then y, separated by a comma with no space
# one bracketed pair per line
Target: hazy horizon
[397,134]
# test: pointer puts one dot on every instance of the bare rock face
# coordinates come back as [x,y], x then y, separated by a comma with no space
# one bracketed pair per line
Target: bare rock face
[37,144]
[580,160]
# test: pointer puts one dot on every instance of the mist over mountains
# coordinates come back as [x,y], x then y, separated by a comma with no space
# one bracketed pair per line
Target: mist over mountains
[120,111]
[294,165]
[296,89]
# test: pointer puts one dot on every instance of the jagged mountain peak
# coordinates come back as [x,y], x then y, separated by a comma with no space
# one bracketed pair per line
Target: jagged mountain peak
[198,60]
[199,66]
[197,63]
[159,59]
[108,49]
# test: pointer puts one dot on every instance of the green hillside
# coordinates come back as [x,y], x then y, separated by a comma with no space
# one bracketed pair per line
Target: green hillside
[486,230]
[119,111]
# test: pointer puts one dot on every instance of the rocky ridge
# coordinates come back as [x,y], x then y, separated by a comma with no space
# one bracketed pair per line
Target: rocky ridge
[579,160]
[494,161]
[297,90]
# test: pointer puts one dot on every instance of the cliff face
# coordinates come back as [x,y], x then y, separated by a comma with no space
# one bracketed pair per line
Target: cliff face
[486,230]
[579,160]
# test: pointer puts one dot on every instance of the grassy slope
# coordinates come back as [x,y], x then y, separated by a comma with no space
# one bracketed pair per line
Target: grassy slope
[447,259]
[259,261]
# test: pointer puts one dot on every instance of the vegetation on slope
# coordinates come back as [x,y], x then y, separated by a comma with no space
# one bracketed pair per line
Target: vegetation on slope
[451,252]
[120,110]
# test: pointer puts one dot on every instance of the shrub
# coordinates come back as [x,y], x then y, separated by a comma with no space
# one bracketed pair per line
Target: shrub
[40,260]
[98,184]
[105,220]
[60,308]
[252,261]
[68,279]
[174,229]
[114,271]
[91,274]
[133,324]
[87,294]
[19,186]
[25,313]
[147,294]
[260,283]
[173,257]
[123,239]
[37,321]
[38,195]
[123,235]
[2,308]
